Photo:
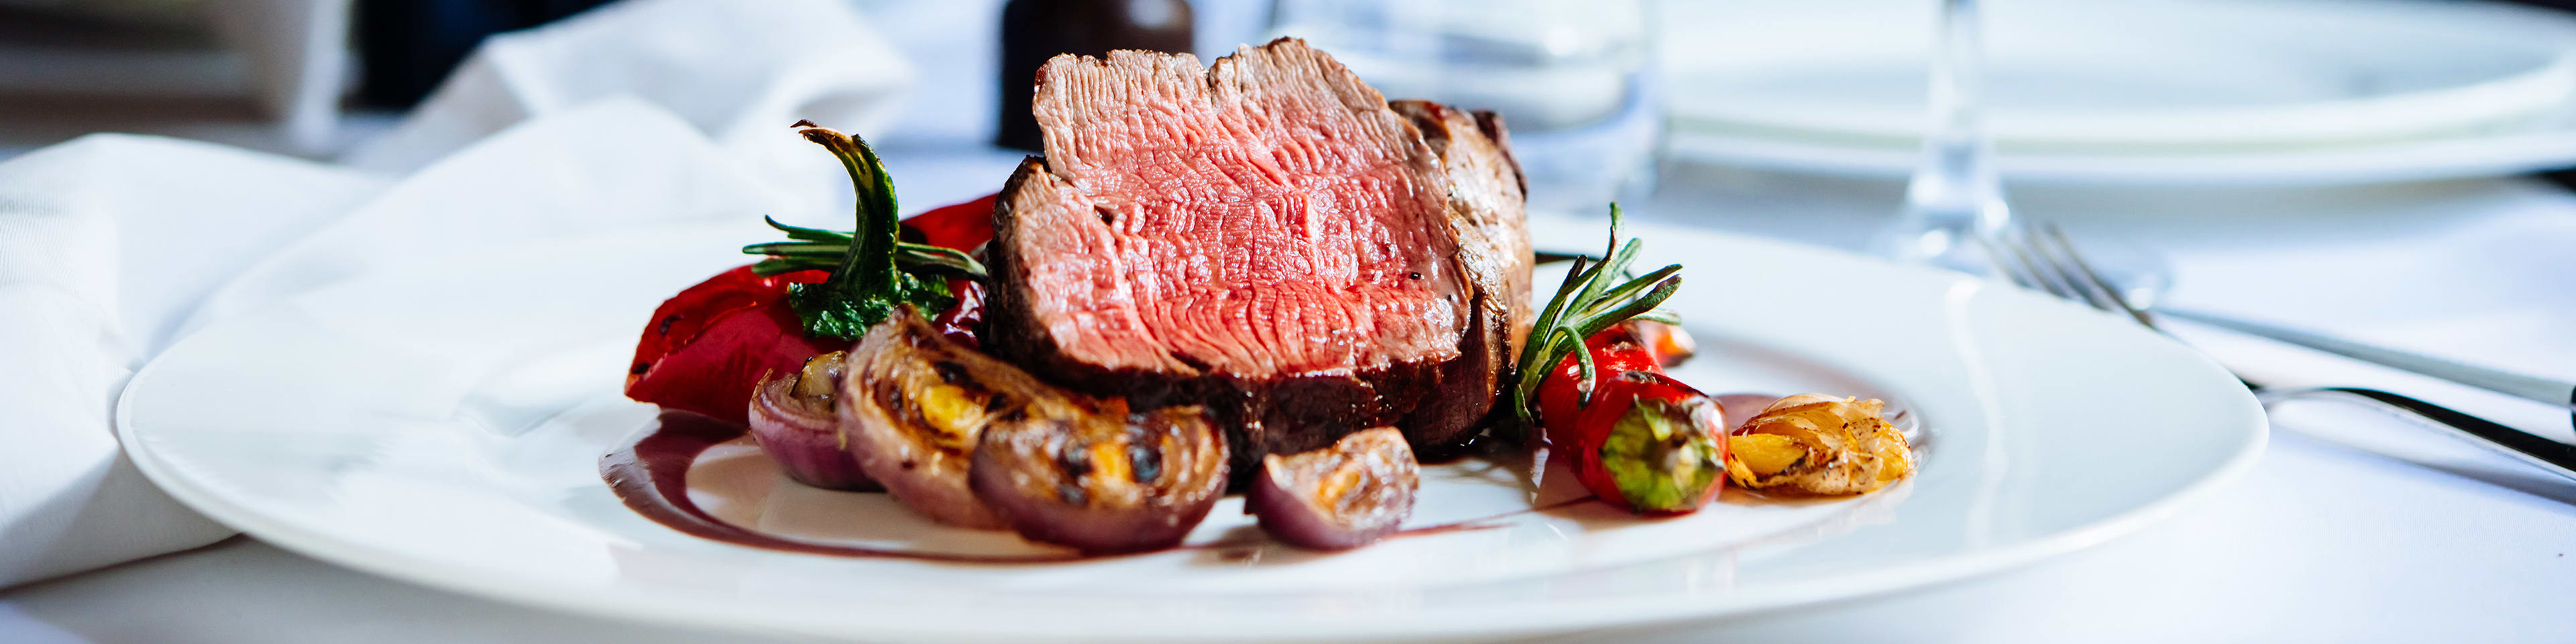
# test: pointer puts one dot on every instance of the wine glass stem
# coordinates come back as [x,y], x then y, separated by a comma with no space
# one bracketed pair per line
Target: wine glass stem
[1955,191]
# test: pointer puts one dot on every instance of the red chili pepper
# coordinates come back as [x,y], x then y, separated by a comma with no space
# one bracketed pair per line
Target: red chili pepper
[1645,440]
[1634,436]
[706,348]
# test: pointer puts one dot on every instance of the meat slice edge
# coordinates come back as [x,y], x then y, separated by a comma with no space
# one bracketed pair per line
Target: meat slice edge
[1486,212]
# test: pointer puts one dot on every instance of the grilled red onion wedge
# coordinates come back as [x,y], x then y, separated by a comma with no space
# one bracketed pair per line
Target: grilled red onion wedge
[1340,497]
[914,404]
[793,420]
[1086,473]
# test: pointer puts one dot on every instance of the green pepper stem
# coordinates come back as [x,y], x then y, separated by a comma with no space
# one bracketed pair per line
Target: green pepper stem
[868,269]
[1661,458]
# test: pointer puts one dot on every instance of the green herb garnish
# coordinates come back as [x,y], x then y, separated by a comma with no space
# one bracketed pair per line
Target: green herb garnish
[1593,298]
[873,269]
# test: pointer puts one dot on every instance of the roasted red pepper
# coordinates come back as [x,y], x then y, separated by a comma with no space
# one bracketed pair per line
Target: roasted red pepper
[964,226]
[707,347]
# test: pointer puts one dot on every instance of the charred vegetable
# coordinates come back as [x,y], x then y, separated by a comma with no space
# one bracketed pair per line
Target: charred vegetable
[1087,473]
[1339,497]
[972,441]
[914,405]
[1634,436]
[793,419]
[1818,444]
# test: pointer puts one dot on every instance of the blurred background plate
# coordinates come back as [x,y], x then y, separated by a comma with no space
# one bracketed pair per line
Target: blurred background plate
[2301,91]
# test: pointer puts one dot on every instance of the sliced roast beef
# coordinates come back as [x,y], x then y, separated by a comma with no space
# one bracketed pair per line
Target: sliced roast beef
[1267,237]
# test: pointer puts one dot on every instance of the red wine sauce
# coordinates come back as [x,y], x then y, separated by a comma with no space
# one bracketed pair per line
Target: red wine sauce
[651,475]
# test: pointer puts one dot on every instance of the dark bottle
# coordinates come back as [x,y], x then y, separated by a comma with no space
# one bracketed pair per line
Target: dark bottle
[1035,30]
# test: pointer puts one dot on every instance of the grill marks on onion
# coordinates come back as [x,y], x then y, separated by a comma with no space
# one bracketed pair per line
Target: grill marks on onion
[1088,473]
[915,403]
[972,441]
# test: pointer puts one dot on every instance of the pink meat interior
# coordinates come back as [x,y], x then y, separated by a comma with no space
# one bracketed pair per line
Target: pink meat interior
[1270,216]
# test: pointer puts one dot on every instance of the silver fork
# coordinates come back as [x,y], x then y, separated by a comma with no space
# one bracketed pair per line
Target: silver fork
[2041,258]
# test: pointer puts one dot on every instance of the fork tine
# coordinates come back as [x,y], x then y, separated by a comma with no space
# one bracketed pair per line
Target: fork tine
[2050,278]
[2007,253]
[2085,290]
[2094,279]
[2013,271]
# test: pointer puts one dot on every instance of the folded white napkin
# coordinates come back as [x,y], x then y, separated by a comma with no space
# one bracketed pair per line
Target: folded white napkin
[104,242]
[113,247]
[613,164]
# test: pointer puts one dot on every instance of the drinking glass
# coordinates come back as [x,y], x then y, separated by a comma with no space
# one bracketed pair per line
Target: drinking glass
[1571,79]
[1954,194]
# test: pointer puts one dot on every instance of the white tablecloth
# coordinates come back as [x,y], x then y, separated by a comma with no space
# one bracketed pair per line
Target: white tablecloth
[2352,526]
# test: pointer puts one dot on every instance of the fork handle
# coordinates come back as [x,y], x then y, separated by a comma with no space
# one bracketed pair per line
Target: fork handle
[2556,457]
[2536,389]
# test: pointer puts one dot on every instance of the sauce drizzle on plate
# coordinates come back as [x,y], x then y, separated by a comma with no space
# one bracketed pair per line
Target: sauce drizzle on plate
[651,474]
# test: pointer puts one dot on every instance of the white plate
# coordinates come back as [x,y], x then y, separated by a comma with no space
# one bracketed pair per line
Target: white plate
[2299,90]
[443,425]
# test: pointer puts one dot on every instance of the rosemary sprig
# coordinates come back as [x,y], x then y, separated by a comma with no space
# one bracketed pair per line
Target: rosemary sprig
[801,233]
[1596,295]
[813,244]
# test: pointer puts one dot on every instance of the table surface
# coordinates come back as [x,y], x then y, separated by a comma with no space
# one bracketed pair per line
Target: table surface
[2352,526]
